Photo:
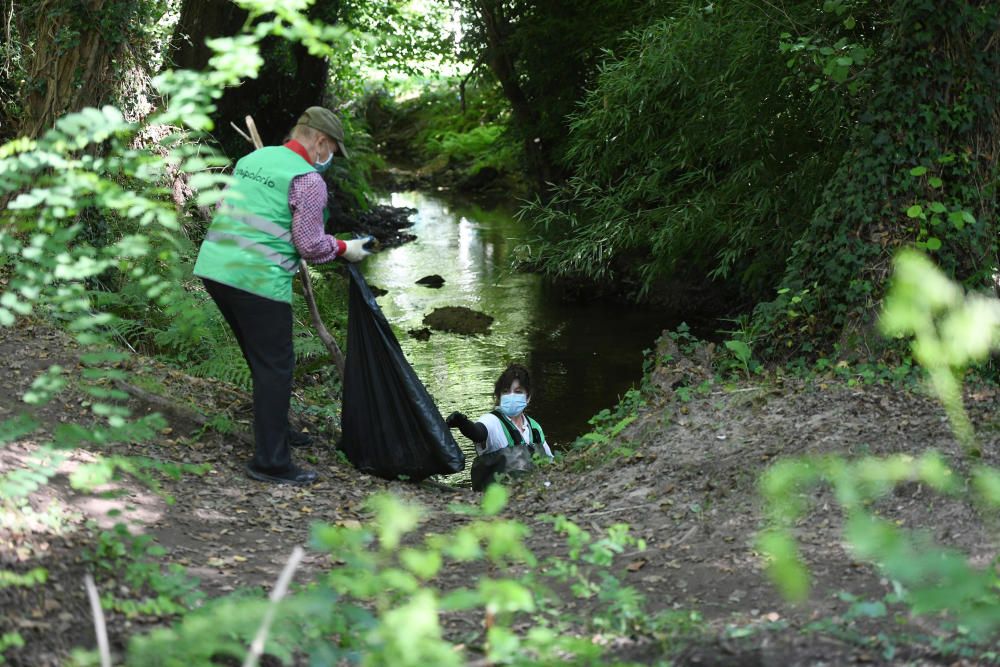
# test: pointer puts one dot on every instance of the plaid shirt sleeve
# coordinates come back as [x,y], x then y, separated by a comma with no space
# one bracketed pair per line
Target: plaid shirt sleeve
[307,199]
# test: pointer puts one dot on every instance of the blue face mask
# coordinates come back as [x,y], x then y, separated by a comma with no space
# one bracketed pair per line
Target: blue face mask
[513,404]
[323,166]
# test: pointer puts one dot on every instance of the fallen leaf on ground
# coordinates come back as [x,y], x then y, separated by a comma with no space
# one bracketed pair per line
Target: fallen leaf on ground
[636,565]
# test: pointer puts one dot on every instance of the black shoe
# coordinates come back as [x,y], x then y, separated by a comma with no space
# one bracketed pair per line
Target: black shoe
[299,439]
[291,475]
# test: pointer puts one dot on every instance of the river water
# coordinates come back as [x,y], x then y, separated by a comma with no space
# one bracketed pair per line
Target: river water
[582,356]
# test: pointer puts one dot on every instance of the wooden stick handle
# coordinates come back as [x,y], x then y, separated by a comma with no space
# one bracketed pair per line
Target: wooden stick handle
[324,334]
[253,133]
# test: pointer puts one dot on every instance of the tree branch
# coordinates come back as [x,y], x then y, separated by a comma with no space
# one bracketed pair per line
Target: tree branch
[280,588]
[178,410]
[100,627]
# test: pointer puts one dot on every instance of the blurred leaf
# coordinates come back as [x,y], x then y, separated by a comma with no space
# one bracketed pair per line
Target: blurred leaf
[393,519]
[494,499]
[785,567]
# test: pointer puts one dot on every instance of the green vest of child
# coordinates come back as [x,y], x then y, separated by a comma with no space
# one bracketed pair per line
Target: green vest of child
[514,435]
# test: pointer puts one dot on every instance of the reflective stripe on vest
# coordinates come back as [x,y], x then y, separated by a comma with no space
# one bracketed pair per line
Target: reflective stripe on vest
[290,265]
[249,243]
[263,224]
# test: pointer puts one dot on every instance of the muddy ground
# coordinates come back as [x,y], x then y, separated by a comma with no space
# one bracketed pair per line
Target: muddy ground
[683,479]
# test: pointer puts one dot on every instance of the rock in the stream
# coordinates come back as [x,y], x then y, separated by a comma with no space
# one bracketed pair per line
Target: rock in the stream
[422,333]
[459,319]
[433,281]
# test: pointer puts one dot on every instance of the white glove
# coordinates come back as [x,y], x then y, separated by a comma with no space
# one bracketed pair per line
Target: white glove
[355,251]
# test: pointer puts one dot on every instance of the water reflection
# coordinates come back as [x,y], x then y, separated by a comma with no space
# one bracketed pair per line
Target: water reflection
[582,356]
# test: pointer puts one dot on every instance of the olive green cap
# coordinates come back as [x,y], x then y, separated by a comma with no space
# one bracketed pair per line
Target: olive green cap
[324,120]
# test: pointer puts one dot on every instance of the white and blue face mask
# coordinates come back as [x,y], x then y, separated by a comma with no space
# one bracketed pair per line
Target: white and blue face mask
[513,404]
[324,165]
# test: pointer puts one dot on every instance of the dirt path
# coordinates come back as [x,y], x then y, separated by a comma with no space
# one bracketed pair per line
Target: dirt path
[686,485]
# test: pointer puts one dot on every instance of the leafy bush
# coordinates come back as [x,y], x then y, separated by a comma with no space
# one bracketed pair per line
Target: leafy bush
[481,147]
[133,561]
[381,604]
[544,56]
[949,330]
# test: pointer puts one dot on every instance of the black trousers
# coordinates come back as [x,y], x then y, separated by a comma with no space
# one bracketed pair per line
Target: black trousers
[263,328]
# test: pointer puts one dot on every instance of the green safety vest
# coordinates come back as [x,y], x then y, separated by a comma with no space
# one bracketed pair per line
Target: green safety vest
[249,243]
[514,435]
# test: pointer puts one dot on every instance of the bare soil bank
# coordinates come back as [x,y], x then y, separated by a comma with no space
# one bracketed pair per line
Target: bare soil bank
[684,480]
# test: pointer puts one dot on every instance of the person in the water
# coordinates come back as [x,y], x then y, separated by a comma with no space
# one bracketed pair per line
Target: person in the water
[506,425]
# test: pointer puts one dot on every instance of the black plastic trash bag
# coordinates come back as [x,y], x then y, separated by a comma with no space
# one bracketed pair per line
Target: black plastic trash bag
[390,425]
[512,461]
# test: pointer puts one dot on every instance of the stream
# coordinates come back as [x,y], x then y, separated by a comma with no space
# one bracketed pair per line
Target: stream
[582,356]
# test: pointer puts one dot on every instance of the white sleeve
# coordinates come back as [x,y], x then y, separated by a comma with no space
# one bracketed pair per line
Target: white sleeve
[496,435]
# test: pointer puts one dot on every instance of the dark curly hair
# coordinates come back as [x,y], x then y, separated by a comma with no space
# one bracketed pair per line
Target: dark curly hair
[506,379]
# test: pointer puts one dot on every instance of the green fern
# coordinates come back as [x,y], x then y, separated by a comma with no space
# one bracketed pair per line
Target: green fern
[227,364]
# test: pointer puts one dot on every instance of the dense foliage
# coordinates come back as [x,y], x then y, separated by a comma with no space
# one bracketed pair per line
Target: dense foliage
[695,154]
[443,137]
[62,55]
[383,604]
[543,55]
[921,170]
[699,155]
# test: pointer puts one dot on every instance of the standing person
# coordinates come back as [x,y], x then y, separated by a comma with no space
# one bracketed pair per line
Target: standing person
[507,426]
[272,216]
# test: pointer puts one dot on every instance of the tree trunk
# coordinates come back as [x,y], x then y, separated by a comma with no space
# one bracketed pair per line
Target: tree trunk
[500,61]
[74,57]
[290,80]
[200,20]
